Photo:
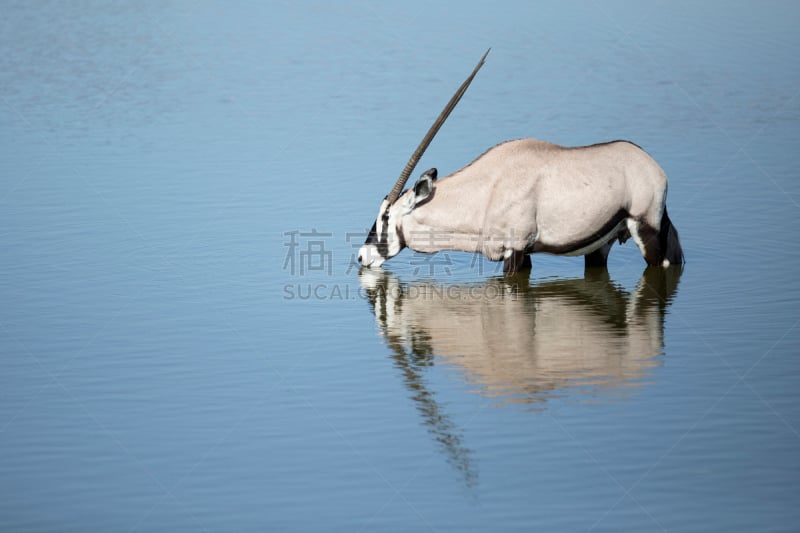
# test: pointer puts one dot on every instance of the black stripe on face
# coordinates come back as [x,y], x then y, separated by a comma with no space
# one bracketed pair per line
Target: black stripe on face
[372,238]
[566,248]
[381,242]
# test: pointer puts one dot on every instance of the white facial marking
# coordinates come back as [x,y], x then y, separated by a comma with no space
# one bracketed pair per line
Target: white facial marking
[385,228]
[665,263]
[393,239]
[369,257]
[379,224]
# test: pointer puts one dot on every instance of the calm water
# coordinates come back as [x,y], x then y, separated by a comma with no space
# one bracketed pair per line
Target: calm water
[185,342]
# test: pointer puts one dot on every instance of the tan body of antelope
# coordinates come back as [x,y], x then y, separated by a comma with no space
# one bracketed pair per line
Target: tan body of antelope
[528,196]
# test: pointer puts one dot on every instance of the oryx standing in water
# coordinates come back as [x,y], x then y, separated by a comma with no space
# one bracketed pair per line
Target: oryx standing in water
[528,196]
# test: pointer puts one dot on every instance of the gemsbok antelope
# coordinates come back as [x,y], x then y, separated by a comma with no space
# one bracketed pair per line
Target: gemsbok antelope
[528,196]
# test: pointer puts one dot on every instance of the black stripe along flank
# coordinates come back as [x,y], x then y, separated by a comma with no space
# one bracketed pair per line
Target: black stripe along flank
[558,249]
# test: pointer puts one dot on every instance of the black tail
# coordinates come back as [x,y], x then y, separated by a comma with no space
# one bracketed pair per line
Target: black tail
[668,241]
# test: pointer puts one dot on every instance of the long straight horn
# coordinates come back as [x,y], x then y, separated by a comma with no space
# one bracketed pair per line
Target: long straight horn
[423,145]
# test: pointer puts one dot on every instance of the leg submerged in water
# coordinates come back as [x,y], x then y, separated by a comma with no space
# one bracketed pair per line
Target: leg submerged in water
[516,262]
[598,258]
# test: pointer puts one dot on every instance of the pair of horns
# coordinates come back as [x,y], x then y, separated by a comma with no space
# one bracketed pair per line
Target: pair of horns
[423,145]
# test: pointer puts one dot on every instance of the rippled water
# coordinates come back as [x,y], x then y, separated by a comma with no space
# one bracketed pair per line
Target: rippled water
[188,346]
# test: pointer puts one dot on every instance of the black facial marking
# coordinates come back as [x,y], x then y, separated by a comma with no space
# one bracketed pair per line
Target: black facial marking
[372,238]
[381,242]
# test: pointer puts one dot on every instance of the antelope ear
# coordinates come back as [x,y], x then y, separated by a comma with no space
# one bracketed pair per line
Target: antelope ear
[431,173]
[424,186]
[422,190]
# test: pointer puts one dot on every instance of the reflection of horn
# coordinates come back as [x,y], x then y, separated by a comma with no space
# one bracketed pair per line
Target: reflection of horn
[380,290]
[439,423]
[423,145]
[520,341]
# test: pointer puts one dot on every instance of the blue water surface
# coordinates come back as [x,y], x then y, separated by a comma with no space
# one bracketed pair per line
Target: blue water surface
[187,345]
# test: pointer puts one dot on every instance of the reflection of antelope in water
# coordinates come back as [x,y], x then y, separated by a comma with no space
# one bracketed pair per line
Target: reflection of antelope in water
[527,341]
[519,340]
[438,422]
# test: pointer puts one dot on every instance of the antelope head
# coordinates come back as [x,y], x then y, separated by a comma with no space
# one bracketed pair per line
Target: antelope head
[385,239]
